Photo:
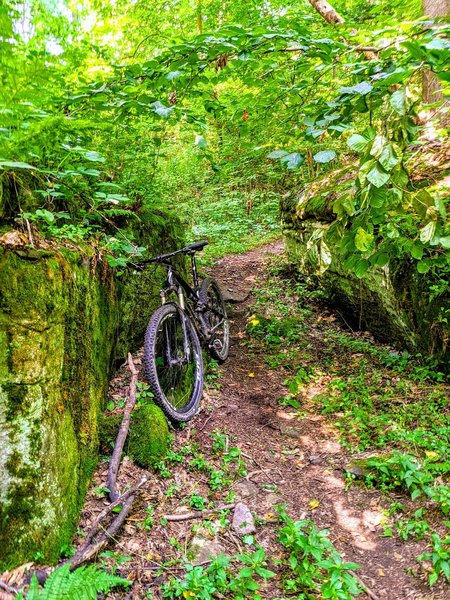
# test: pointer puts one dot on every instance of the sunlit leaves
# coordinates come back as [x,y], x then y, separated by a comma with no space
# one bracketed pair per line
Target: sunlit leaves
[324,156]
[362,88]
[377,176]
[363,240]
[398,102]
[388,158]
[357,142]
[291,160]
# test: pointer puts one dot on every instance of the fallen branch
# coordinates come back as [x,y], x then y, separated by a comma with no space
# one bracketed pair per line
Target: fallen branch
[114,465]
[93,549]
[198,514]
[366,589]
[7,588]
[96,525]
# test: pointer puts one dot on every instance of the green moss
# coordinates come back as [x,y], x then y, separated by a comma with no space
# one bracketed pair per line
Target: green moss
[149,433]
[147,439]
[393,302]
[60,322]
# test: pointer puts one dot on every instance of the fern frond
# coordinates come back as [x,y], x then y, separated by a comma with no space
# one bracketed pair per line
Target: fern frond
[118,212]
[86,582]
[57,584]
[83,584]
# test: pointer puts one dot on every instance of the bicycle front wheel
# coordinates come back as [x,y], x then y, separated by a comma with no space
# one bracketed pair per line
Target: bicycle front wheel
[216,318]
[173,363]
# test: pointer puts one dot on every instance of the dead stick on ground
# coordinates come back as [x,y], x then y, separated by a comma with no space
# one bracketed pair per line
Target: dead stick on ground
[121,500]
[367,590]
[93,549]
[114,465]
[7,588]
[198,514]
[263,469]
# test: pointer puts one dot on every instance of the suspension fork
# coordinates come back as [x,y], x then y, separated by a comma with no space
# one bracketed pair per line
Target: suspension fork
[172,287]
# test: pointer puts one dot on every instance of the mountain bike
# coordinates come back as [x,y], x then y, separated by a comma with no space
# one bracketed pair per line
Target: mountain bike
[196,317]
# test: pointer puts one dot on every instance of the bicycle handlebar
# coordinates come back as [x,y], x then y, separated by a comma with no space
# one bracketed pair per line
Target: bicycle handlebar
[195,247]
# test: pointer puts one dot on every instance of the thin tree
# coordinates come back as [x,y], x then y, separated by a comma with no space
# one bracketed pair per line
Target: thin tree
[325,9]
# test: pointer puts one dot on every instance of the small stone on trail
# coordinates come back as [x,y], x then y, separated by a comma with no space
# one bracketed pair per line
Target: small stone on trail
[243,522]
[202,549]
[315,459]
[246,488]
[354,470]
[291,432]
[235,297]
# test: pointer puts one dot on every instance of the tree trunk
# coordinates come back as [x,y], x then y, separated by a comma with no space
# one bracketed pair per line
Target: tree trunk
[431,90]
[328,12]
[199,17]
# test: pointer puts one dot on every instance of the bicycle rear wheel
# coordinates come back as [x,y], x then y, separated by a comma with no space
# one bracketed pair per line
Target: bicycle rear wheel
[216,318]
[173,363]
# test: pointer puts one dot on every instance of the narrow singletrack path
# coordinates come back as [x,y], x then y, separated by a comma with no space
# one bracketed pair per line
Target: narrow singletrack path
[292,457]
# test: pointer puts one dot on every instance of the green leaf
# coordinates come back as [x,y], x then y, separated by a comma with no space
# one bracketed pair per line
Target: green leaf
[278,154]
[397,76]
[417,251]
[161,110]
[200,141]
[432,578]
[388,158]
[357,142]
[293,160]
[423,267]
[245,572]
[379,259]
[363,239]
[365,169]
[325,156]
[264,573]
[440,206]
[398,102]
[377,176]
[344,206]
[378,144]
[93,156]
[48,216]
[324,256]
[6,164]
[361,268]
[173,75]
[377,196]
[427,232]
[362,88]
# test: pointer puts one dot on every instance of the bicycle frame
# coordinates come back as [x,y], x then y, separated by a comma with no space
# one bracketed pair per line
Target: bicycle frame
[175,283]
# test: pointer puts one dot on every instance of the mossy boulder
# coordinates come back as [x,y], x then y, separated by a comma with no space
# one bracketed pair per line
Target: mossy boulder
[394,302]
[147,439]
[65,319]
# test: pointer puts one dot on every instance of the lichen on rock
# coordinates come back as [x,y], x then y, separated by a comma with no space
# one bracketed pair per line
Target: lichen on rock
[63,325]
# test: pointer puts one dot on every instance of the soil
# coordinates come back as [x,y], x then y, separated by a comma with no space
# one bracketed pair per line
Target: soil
[297,462]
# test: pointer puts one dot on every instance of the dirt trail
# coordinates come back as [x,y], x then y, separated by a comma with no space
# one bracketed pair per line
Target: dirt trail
[293,461]
[302,460]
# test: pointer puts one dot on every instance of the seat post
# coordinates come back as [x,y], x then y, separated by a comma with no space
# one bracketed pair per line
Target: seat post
[194,270]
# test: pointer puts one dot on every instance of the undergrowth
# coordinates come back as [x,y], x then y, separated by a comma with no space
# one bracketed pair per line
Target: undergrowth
[388,404]
[309,566]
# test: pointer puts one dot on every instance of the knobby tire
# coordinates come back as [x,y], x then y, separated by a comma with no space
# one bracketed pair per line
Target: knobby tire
[211,296]
[177,388]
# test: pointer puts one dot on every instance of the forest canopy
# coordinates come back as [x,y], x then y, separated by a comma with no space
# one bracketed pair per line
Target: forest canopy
[109,109]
